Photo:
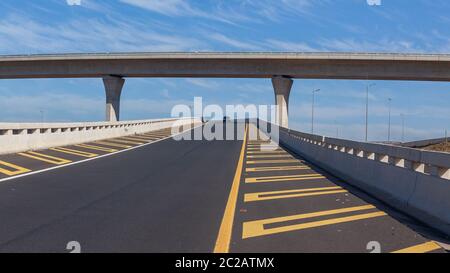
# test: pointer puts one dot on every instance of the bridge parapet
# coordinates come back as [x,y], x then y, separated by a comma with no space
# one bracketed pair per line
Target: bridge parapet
[18,137]
[414,181]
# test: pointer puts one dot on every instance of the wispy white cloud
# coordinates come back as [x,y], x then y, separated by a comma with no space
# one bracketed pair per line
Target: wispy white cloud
[279,45]
[204,83]
[380,45]
[21,34]
[180,8]
[166,7]
[234,42]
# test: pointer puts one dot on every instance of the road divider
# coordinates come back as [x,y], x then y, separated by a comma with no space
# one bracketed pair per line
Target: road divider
[96,148]
[46,158]
[73,152]
[127,140]
[226,227]
[106,143]
[283,178]
[421,248]
[275,169]
[271,195]
[416,182]
[261,227]
[12,169]
[272,161]
[269,156]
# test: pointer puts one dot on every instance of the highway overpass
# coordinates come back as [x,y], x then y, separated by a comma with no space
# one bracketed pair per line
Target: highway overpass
[147,192]
[128,186]
[281,67]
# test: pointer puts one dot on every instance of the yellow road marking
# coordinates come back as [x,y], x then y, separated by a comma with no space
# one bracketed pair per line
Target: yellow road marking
[120,140]
[422,248]
[280,168]
[226,227]
[140,138]
[269,156]
[131,140]
[113,144]
[283,178]
[97,148]
[261,196]
[156,138]
[152,138]
[263,145]
[273,161]
[159,134]
[46,158]
[256,228]
[156,135]
[144,136]
[265,152]
[262,150]
[16,169]
[73,152]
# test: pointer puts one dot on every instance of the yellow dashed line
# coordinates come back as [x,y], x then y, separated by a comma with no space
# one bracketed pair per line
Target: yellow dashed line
[142,137]
[130,140]
[266,152]
[273,161]
[45,158]
[261,196]
[73,152]
[113,144]
[97,148]
[256,228]
[133,138]
[16,169]
[120,140]
[156,135]
[226,227]
[280,168]
[269,156]
[422,248]
[283,178]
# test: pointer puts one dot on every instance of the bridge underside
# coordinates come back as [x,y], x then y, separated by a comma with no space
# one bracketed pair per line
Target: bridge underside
[114,67]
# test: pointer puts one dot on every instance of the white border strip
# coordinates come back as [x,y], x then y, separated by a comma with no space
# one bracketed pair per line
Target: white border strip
[94,158]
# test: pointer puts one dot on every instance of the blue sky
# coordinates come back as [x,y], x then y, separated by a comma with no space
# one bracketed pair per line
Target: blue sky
[52,26]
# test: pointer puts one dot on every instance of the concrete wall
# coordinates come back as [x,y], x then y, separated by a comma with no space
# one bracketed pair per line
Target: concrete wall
[18,137]
[425,142]
[414,181]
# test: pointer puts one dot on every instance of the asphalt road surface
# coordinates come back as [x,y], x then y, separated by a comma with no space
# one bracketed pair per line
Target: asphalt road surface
[151,193]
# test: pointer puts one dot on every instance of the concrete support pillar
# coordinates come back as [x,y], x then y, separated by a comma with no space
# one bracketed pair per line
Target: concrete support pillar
[282,87]
[113,89]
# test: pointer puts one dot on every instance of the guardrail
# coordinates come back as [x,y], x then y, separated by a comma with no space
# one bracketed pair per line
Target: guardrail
[18,137]
[414,181]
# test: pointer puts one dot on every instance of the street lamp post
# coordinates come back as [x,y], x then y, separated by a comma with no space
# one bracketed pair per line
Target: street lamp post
[312,110]
[389,122]
[367,109]
[337,129]
[403,127]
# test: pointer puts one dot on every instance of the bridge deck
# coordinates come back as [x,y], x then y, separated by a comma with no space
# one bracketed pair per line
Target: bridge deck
[170,196]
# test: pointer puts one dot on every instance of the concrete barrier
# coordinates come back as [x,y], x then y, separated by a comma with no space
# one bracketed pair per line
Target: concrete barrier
[18,137]
[425,142]
[414,181]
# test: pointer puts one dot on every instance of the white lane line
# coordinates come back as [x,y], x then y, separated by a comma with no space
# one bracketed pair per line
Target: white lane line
[94,158]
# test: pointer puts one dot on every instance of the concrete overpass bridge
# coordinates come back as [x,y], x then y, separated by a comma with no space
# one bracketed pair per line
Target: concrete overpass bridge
[130,186]
[282,68]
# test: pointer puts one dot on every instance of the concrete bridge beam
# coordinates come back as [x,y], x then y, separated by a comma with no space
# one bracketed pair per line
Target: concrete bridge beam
[282,87]
[113,88]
